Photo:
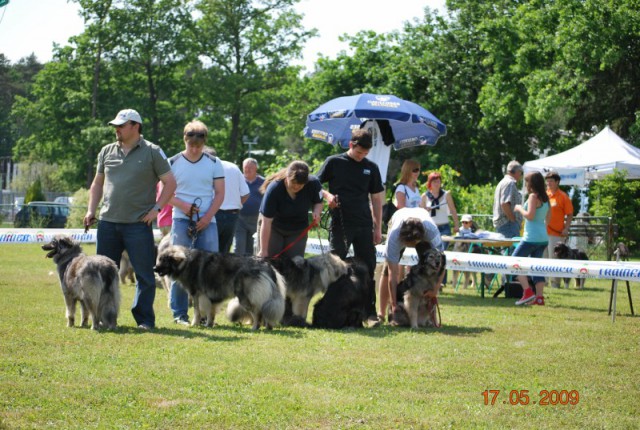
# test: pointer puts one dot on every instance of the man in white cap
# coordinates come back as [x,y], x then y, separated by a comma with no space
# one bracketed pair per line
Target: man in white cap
[127,173]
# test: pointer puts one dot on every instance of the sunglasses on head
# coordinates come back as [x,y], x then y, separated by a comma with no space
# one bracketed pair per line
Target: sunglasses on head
[199,135]
[416,170]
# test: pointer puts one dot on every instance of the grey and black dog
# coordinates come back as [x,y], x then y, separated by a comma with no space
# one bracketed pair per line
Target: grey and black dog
[90,280]
[416,293]
[305,278]
[210,278]
[562,251]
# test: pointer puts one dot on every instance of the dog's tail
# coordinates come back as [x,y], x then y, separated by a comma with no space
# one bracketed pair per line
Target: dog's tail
[236,313]
[273,308]
[109,304]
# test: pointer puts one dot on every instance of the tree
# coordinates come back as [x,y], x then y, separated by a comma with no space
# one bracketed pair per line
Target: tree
[247,46]
[617,197]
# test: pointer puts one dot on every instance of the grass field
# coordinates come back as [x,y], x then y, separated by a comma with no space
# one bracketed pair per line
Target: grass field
[383,378]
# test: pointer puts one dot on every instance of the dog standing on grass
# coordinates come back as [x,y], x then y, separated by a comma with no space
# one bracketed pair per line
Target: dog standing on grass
[562,252]
[90,280]
[210,278]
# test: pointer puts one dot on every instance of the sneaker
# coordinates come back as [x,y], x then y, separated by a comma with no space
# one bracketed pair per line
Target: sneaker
[182,321]
[538,301]
[527,296]
[373,321]
[144,327]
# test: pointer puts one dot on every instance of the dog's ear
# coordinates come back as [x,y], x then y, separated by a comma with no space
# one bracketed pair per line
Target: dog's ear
[65,242]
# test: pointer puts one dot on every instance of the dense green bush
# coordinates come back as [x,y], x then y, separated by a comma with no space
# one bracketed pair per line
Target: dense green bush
[34,192]
[78,209]
[619,198]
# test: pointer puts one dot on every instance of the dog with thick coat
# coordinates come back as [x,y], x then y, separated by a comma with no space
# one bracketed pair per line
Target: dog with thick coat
[90,280]
[210,278]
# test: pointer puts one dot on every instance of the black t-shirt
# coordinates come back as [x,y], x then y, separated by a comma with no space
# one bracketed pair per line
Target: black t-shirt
[352,181]
[290,214]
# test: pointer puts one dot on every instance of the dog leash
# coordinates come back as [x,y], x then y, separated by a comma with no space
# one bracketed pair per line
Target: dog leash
[192,228]
[300,236]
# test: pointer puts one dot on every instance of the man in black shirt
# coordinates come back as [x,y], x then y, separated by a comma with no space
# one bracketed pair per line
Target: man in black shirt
[352,178]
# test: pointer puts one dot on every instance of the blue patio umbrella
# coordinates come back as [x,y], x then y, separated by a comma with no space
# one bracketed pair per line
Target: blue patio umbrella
[402,123]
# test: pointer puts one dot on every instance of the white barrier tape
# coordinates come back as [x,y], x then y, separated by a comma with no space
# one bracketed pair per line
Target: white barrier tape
[470,262]
[545,267]
[43,235]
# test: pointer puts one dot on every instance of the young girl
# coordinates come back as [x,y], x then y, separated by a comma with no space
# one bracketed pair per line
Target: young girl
[536,216]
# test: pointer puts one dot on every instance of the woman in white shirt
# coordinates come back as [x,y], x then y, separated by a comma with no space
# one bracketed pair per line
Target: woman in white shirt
[407,194]
[440,205]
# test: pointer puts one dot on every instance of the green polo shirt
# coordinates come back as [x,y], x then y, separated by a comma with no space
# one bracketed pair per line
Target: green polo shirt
[130,180]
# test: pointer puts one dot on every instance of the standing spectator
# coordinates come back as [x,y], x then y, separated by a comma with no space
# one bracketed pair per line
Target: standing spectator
[353,179]
[198,196]
[165,216]
[408,228]
[288,196]
[536,214]
[506,197]
[248,219]
[407,193]
[236,192]
[561,210]
[127,174]
[440,205]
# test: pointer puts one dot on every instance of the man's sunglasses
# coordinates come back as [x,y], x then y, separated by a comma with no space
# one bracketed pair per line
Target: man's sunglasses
[195,134]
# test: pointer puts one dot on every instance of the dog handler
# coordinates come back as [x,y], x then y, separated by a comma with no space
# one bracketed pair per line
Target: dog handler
[127,174]
[353,179]
[409,227]
[200,179]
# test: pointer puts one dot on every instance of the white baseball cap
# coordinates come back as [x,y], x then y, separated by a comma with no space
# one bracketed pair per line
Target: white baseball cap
[466,218]
[126,115]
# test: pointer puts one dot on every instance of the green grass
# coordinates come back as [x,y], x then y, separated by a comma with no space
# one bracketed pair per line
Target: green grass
[228,377]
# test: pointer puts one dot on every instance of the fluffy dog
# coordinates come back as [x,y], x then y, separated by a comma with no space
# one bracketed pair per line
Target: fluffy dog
[622,251]
[343,305]
[260,291]
[305,278]
[562,252]
[211,278]
[126,269]
[90,280]
[416,292]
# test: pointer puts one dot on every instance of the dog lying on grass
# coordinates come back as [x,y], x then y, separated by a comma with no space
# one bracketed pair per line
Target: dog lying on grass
[90,280]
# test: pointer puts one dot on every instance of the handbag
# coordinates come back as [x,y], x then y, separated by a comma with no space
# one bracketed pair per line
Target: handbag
[388,209]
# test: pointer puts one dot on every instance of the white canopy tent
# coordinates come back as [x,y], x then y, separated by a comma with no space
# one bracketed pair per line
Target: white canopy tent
[593,159]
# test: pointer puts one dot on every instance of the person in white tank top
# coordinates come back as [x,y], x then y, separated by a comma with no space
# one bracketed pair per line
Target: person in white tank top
[440,205]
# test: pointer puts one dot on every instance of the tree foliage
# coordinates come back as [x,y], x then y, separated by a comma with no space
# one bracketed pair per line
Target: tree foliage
[617,197]
[509,79]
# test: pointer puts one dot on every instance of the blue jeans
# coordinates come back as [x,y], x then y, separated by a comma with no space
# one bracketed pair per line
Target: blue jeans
[226,229]
[137,240]
[245,229]
[510,229]
[207,240]
[445,229]
[533,250]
